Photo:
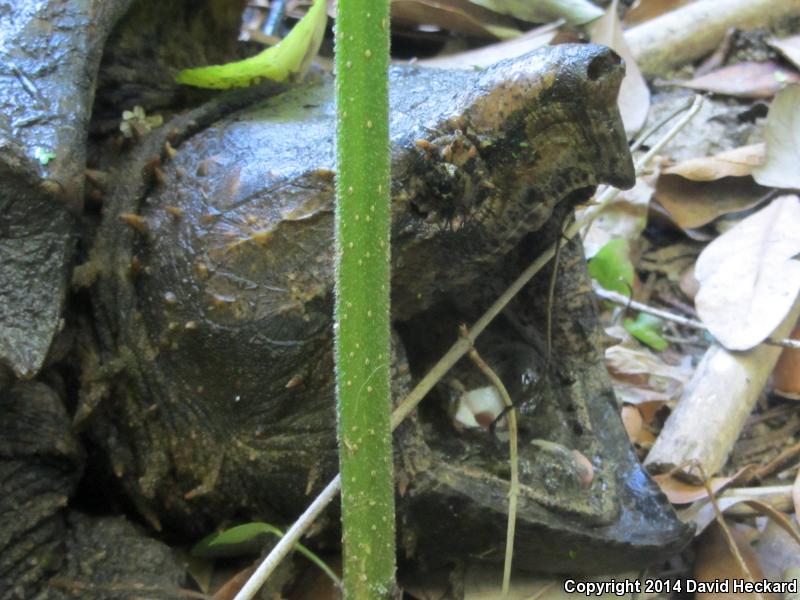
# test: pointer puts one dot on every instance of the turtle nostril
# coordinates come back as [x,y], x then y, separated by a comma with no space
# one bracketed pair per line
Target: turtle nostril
[602,65]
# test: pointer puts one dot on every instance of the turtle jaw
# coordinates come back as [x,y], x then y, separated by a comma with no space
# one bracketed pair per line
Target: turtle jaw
[616,520]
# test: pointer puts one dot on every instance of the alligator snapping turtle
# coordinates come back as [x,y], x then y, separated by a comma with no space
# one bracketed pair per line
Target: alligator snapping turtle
[215,310]
[207,376]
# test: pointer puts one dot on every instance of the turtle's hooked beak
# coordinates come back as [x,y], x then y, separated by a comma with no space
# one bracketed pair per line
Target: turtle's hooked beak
[595,81]
[566,99]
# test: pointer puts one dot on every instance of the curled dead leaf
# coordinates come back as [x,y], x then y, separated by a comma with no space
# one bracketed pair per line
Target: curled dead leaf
[635,426]
[783,142]
[634,95]
[745,80]
[693,204]
[738,162]
[749,277]
[680,492]
[458,16]
[641,377]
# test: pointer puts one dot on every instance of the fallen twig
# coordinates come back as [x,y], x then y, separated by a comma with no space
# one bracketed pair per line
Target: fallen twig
[715,404]
[686,34]
[513,491]
[779,463]
[623,300]
[732,546]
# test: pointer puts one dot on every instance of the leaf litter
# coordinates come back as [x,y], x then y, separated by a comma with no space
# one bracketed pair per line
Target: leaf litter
[749,274]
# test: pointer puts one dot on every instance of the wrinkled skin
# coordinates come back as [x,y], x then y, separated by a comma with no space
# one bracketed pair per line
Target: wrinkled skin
[217,309]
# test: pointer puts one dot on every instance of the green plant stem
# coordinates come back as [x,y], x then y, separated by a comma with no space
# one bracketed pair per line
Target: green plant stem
[362,298]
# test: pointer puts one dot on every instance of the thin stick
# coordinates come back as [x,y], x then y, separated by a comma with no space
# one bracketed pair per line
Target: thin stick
[732,545]
[622,300]
[513,444]
[656,126]
[779,463]
[451,357]
[551,294]
[287,542]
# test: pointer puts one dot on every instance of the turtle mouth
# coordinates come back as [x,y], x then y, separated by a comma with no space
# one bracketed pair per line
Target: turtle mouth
[582,490]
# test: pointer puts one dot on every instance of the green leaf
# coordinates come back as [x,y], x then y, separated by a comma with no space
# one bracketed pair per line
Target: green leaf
[647,329]
[249,539]
[289,59]
[612,267]
[242,539]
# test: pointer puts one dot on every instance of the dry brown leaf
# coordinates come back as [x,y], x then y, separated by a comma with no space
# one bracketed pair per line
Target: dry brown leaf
[458,16]
[748,277]
[644,10]
[782,167]
[680,492]
[693,204]
[488,55]
[716,561]
[634,426]
[632,420]
[634,95]
[745,80]
[640,376]
[649,411]
[789,47]
[738,162]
